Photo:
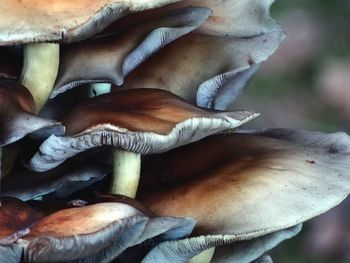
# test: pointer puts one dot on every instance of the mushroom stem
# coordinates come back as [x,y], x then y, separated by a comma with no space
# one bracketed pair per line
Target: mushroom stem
[126,173]
[204,257]
[98,89]
[40,68]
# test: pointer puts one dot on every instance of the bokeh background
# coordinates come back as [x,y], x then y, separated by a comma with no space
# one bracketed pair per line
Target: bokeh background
[306,85]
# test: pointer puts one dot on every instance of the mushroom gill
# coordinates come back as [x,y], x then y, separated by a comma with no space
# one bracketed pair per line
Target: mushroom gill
[109,57]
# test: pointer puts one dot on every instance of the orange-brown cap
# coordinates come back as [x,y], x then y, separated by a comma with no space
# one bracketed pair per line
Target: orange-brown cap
[247,185]
[143,121]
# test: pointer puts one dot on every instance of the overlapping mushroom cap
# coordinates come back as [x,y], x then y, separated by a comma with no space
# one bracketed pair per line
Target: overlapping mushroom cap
[60,182]
[93,233]
[235,39]
[248,192]
[143,121]
[112,56]
[17,114]
[243,186]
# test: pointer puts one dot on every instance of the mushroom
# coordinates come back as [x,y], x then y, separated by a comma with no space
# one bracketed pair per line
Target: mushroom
[93,233]
[112,55]
[232,49]
[232,44]
[62,181]
[134,122]
[15,219]
[244,186]
[17,116]
[40,25]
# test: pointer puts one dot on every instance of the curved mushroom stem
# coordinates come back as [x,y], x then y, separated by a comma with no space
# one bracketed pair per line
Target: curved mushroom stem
[40,68]
[126,173]
[204,257]
[98,89]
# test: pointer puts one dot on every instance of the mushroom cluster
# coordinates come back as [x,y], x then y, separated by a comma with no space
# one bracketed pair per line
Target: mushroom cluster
[117,145]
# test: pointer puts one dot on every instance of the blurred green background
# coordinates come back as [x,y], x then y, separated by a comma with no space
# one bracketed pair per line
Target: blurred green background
[306,85]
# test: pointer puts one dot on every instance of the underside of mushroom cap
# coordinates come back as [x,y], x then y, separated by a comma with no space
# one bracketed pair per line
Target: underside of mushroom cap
[228,60]
[144,121]
[110,58]
[227,250]
[61,182]
[252,185]
[231,43]
[64,21]
[17,118]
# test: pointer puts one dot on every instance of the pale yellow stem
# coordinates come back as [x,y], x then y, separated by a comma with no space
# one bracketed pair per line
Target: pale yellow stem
[40,68]
[126,173]
[204,257]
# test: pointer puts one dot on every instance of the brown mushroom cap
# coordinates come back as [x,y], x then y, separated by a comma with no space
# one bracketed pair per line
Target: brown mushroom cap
[143,121]
[110,59]
[17,118]
[65,21]
[15,219]
[244,186]
[95,232]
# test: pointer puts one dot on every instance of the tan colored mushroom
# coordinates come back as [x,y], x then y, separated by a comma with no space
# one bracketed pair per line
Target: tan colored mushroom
[94,233]
[34,23]
[232,43]
[244,186]
[134,122]
[109,57]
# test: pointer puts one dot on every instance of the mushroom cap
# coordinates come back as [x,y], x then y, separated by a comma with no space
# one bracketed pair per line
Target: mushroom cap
[62,182]
[15,219]
[17,118]
[144,121]
[244,185]
[110,58]
[98,231]
[64,21]
[231,44]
